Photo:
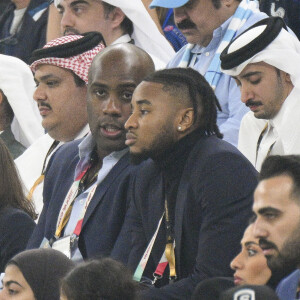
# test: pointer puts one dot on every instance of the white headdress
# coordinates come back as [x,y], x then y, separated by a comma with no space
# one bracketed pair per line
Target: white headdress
[145,32]
[17,83]
[283,52]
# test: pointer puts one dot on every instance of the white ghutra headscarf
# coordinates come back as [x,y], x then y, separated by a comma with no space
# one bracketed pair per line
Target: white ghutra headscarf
[17,84]
[145,32]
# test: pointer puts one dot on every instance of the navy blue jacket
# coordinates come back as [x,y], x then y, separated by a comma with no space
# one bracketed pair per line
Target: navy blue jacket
[105,214]
[287,288]
[32,33]
[213,206]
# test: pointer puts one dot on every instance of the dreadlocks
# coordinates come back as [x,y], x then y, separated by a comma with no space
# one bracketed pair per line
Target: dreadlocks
[193,86]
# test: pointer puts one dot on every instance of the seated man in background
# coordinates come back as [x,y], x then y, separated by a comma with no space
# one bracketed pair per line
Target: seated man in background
[61,75]
[23,27]
[192,199]
[265,61]
[208,27]
[20,121]
[118,21]
[277,225]
[87,182]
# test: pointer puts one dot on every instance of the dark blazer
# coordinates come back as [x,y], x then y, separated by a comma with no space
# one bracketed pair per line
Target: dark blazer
[15,148]
[287,288]
[213,206]
[105,215]
[32,33]
[16,228]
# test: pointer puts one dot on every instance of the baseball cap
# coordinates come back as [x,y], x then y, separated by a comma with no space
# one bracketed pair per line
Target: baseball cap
[168,3]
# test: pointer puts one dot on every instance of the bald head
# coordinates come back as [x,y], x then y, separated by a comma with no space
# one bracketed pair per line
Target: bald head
[119,55]
[113,77]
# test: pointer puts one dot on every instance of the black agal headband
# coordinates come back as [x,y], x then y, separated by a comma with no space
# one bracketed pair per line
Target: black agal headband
[235,58]
[89,41]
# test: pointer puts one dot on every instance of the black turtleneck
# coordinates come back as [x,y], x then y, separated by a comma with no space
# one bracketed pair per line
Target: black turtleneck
[172,163]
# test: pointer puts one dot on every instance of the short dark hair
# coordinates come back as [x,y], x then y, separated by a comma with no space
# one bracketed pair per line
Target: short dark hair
[99,279]
[277,165]
[196,89]
[126,24]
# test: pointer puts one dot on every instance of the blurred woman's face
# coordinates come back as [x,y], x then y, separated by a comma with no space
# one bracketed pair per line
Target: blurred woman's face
[250,264]
[15,286]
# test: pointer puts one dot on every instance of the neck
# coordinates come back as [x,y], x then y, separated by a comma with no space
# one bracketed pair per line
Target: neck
[101,153]
[179,149]
[113,36]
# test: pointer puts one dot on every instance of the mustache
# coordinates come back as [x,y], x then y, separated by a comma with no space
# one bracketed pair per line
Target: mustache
[111,121]
[42,103]
[265,244]
[186,24]
[71,30]
[252,103]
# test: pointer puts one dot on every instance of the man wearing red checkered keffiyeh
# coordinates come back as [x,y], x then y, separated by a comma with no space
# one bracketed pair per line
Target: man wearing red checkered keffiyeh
[61,74]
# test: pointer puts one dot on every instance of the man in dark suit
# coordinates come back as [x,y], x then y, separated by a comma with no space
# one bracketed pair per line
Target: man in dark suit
[199,186]
[86,185]
[23,27]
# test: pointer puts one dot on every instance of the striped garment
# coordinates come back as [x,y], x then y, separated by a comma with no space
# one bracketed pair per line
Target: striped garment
[241,15]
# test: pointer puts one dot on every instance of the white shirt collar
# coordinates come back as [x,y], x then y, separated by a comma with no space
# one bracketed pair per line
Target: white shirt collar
[122,39]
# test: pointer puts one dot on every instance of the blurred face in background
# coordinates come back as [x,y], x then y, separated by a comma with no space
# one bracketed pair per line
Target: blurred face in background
[250,265]
[15,286]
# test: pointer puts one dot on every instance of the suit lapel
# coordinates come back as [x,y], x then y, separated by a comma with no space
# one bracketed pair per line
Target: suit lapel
[104,185]
[195,156]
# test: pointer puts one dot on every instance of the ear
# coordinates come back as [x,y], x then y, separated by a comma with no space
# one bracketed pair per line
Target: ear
[287,78]
[1,97]
[116,17]
[185,119]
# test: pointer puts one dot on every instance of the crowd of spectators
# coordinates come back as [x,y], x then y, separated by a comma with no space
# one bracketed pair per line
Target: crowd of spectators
[149,149]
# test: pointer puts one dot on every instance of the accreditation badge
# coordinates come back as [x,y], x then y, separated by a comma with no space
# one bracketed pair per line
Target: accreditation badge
[45,243]
[63,245]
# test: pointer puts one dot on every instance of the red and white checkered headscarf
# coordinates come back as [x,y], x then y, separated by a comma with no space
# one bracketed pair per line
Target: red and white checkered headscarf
[79,63]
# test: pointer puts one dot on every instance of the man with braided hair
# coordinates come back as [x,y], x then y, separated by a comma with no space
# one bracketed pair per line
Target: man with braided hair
[192,199]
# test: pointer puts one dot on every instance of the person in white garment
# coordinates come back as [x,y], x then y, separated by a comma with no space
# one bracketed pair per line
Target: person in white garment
[118,21]
[20,121]
[61,74]
[265,62]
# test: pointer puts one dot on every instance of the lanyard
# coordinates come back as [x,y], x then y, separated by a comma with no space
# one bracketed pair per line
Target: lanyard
[65,211]
[170,244]
[259,142]
[41,177]
[143,262]
[167,258]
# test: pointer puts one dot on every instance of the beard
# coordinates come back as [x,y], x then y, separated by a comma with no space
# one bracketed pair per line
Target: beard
[160,144]
[287,259]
